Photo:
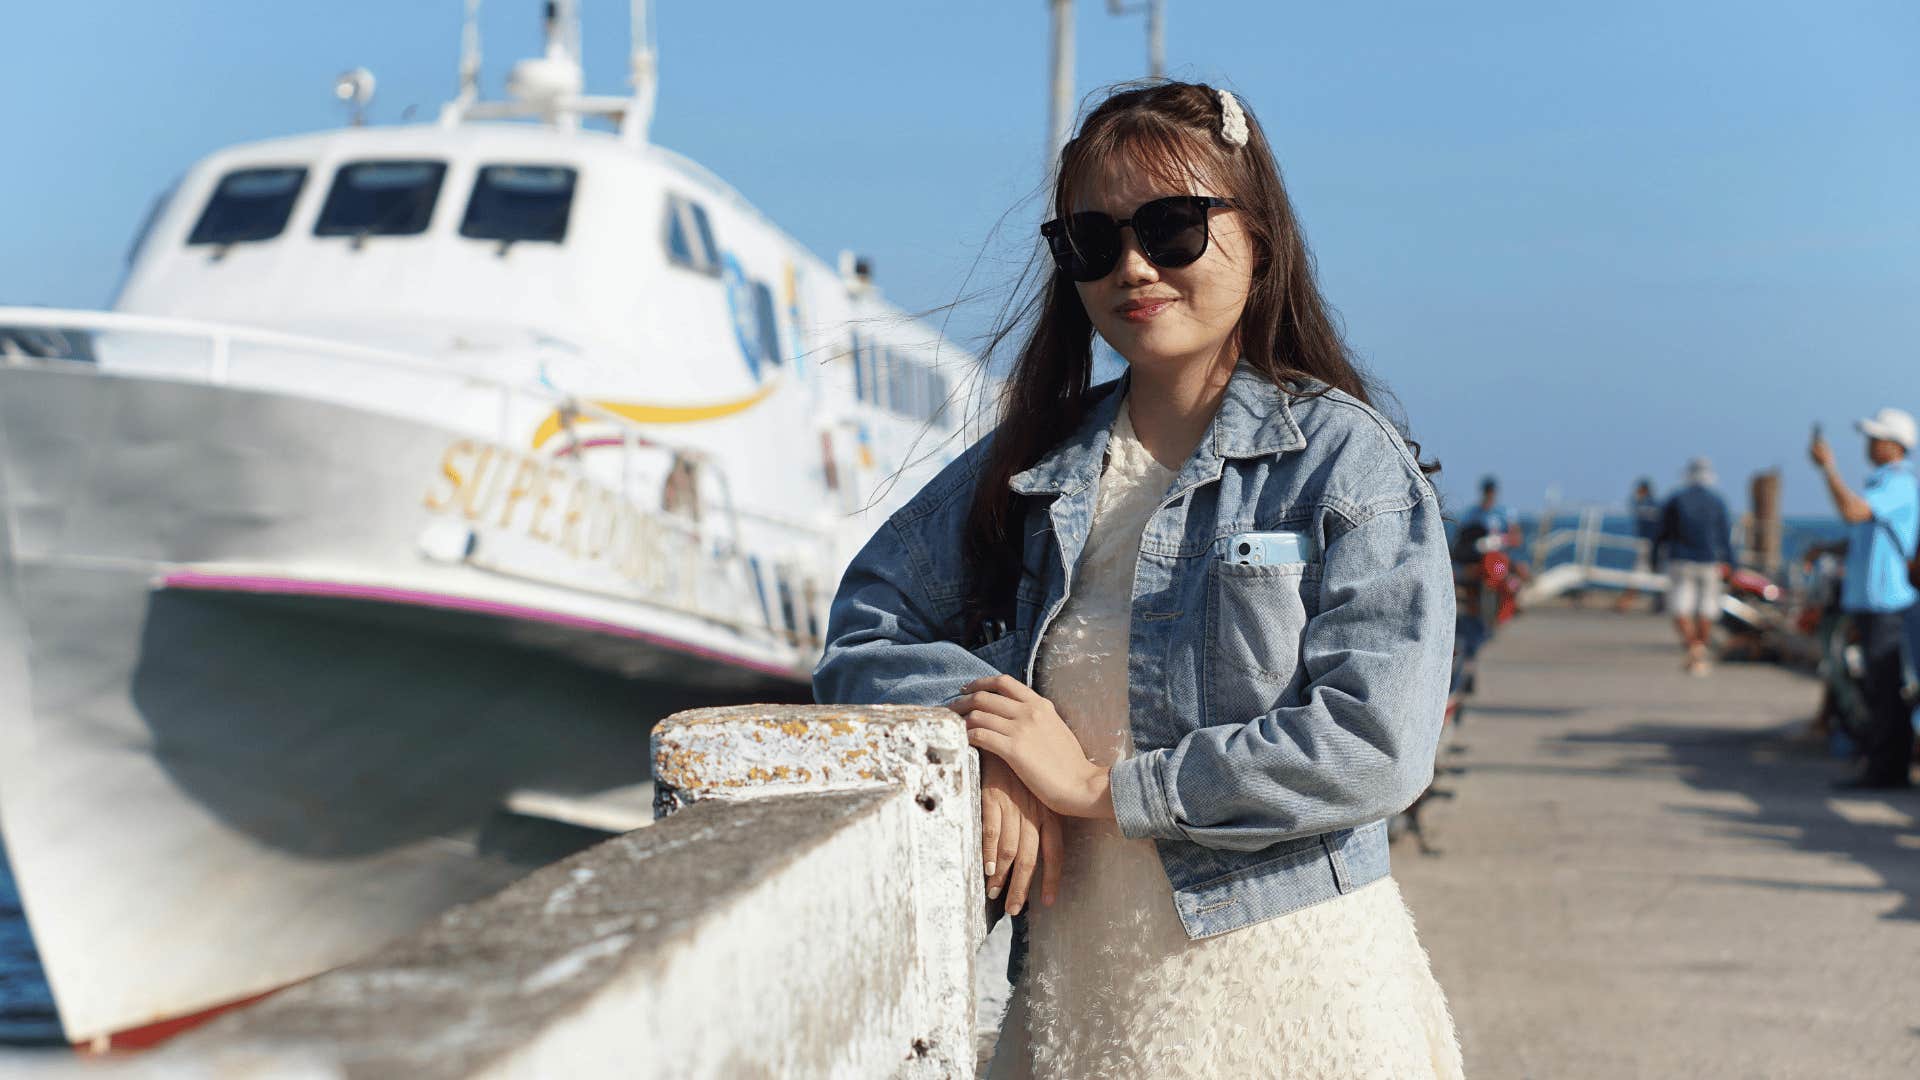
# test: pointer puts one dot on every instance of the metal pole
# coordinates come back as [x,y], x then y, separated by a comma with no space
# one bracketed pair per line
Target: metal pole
[1062,116]
[1157,38]
[643,64]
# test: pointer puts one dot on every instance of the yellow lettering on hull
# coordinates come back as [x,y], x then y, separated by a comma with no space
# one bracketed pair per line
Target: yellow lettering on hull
[557,505]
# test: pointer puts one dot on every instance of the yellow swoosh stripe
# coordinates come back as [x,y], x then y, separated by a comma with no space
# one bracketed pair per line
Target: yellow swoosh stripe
[642,413]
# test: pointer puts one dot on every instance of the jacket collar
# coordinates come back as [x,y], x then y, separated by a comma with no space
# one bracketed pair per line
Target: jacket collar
[1254,420]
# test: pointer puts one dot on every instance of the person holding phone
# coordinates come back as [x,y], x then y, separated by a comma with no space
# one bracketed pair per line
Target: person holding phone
[1201,615]
[1877,593]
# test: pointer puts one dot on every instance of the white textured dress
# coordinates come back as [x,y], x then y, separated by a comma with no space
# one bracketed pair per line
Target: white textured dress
[1113,985]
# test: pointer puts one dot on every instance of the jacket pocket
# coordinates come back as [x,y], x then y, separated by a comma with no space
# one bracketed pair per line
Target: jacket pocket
[1256,616]
[1005,654]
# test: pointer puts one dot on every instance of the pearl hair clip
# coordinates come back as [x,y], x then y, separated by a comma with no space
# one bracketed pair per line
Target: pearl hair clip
[1233,120]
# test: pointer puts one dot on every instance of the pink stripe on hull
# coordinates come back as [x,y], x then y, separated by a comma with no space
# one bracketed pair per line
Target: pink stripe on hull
[283,586]
[590,444]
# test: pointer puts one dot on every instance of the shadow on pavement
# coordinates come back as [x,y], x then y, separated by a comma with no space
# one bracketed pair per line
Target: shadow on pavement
[1787,781]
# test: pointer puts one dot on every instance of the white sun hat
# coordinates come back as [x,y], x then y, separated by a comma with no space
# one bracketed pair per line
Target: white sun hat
[1894,425]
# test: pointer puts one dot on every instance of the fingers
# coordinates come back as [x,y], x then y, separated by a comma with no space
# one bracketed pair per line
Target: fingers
[993,742]
[987,701]
[1052,852]
[1006,856]
[987,721]
[1006,848]
[1005,686]
[1023,863]
[990,816]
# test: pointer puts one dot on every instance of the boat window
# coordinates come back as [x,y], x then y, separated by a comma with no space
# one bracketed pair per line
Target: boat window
[248,205]
[897,375]
[705,228]
[520,202]
[381,198]
[690,236]
[769,330]
[917,391]
[940,389]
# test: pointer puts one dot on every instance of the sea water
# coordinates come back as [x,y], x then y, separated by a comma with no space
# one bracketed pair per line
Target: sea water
[1797,534]
[26,1004]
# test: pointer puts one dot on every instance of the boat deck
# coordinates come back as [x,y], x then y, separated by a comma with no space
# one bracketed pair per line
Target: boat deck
[1645,874]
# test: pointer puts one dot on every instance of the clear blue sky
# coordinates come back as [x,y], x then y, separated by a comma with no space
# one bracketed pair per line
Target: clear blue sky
[1582,242]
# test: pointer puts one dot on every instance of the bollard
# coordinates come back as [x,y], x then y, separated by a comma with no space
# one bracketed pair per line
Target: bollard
[757,751]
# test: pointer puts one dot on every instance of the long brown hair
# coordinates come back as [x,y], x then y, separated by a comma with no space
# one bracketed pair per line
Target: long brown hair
[1286,332]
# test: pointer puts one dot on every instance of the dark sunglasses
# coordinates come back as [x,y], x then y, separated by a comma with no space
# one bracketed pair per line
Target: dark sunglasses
[1172,233]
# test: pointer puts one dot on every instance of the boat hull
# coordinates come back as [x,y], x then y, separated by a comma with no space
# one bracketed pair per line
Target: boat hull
[247,730]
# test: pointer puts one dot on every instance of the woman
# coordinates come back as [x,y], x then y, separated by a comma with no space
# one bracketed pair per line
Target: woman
[1207,605]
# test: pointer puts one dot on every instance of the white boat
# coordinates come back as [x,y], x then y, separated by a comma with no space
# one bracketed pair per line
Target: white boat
[413,474]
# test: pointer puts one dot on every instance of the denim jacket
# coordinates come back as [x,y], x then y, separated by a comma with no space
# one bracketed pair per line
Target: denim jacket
[1279,713]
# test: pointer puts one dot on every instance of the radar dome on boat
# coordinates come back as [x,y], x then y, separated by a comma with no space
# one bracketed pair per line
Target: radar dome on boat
[544,80]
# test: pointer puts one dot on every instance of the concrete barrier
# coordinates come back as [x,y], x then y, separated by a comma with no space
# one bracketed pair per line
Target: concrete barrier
[809,905]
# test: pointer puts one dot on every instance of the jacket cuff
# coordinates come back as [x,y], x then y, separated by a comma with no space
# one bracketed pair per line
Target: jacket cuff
[1140,799]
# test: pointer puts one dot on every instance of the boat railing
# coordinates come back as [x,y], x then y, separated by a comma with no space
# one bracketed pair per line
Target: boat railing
[1585,539]
[1566,558]
[57,334]
[1570,557]
[765,549]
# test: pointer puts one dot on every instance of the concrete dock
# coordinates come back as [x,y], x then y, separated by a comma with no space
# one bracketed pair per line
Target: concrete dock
[1645,874]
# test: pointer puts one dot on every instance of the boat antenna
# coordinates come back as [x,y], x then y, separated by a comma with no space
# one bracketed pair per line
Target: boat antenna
[645,75]
[1156,31]
[563,19]
[470,55]
[549,86]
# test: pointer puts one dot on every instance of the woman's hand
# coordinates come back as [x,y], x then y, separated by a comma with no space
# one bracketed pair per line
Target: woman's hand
[1016,831]
[1009,720]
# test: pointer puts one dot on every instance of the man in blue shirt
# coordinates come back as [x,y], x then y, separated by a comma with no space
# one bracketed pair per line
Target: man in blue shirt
[1696,538]
[1646,511]
[1885,526]
[1496,519]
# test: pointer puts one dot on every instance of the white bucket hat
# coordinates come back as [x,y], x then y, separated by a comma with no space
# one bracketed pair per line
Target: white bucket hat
[1894,425]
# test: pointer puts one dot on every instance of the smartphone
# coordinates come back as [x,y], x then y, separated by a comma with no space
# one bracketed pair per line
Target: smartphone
[1266,548]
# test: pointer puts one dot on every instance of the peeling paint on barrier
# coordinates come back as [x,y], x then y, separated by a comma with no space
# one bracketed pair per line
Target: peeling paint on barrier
[708,753]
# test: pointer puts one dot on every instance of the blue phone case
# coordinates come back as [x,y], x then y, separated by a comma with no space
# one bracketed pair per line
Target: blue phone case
[1266,548]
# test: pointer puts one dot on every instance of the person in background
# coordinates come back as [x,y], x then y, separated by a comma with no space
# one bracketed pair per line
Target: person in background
[1876,592]
[1696,539]
[1496,519]
[1646,512]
